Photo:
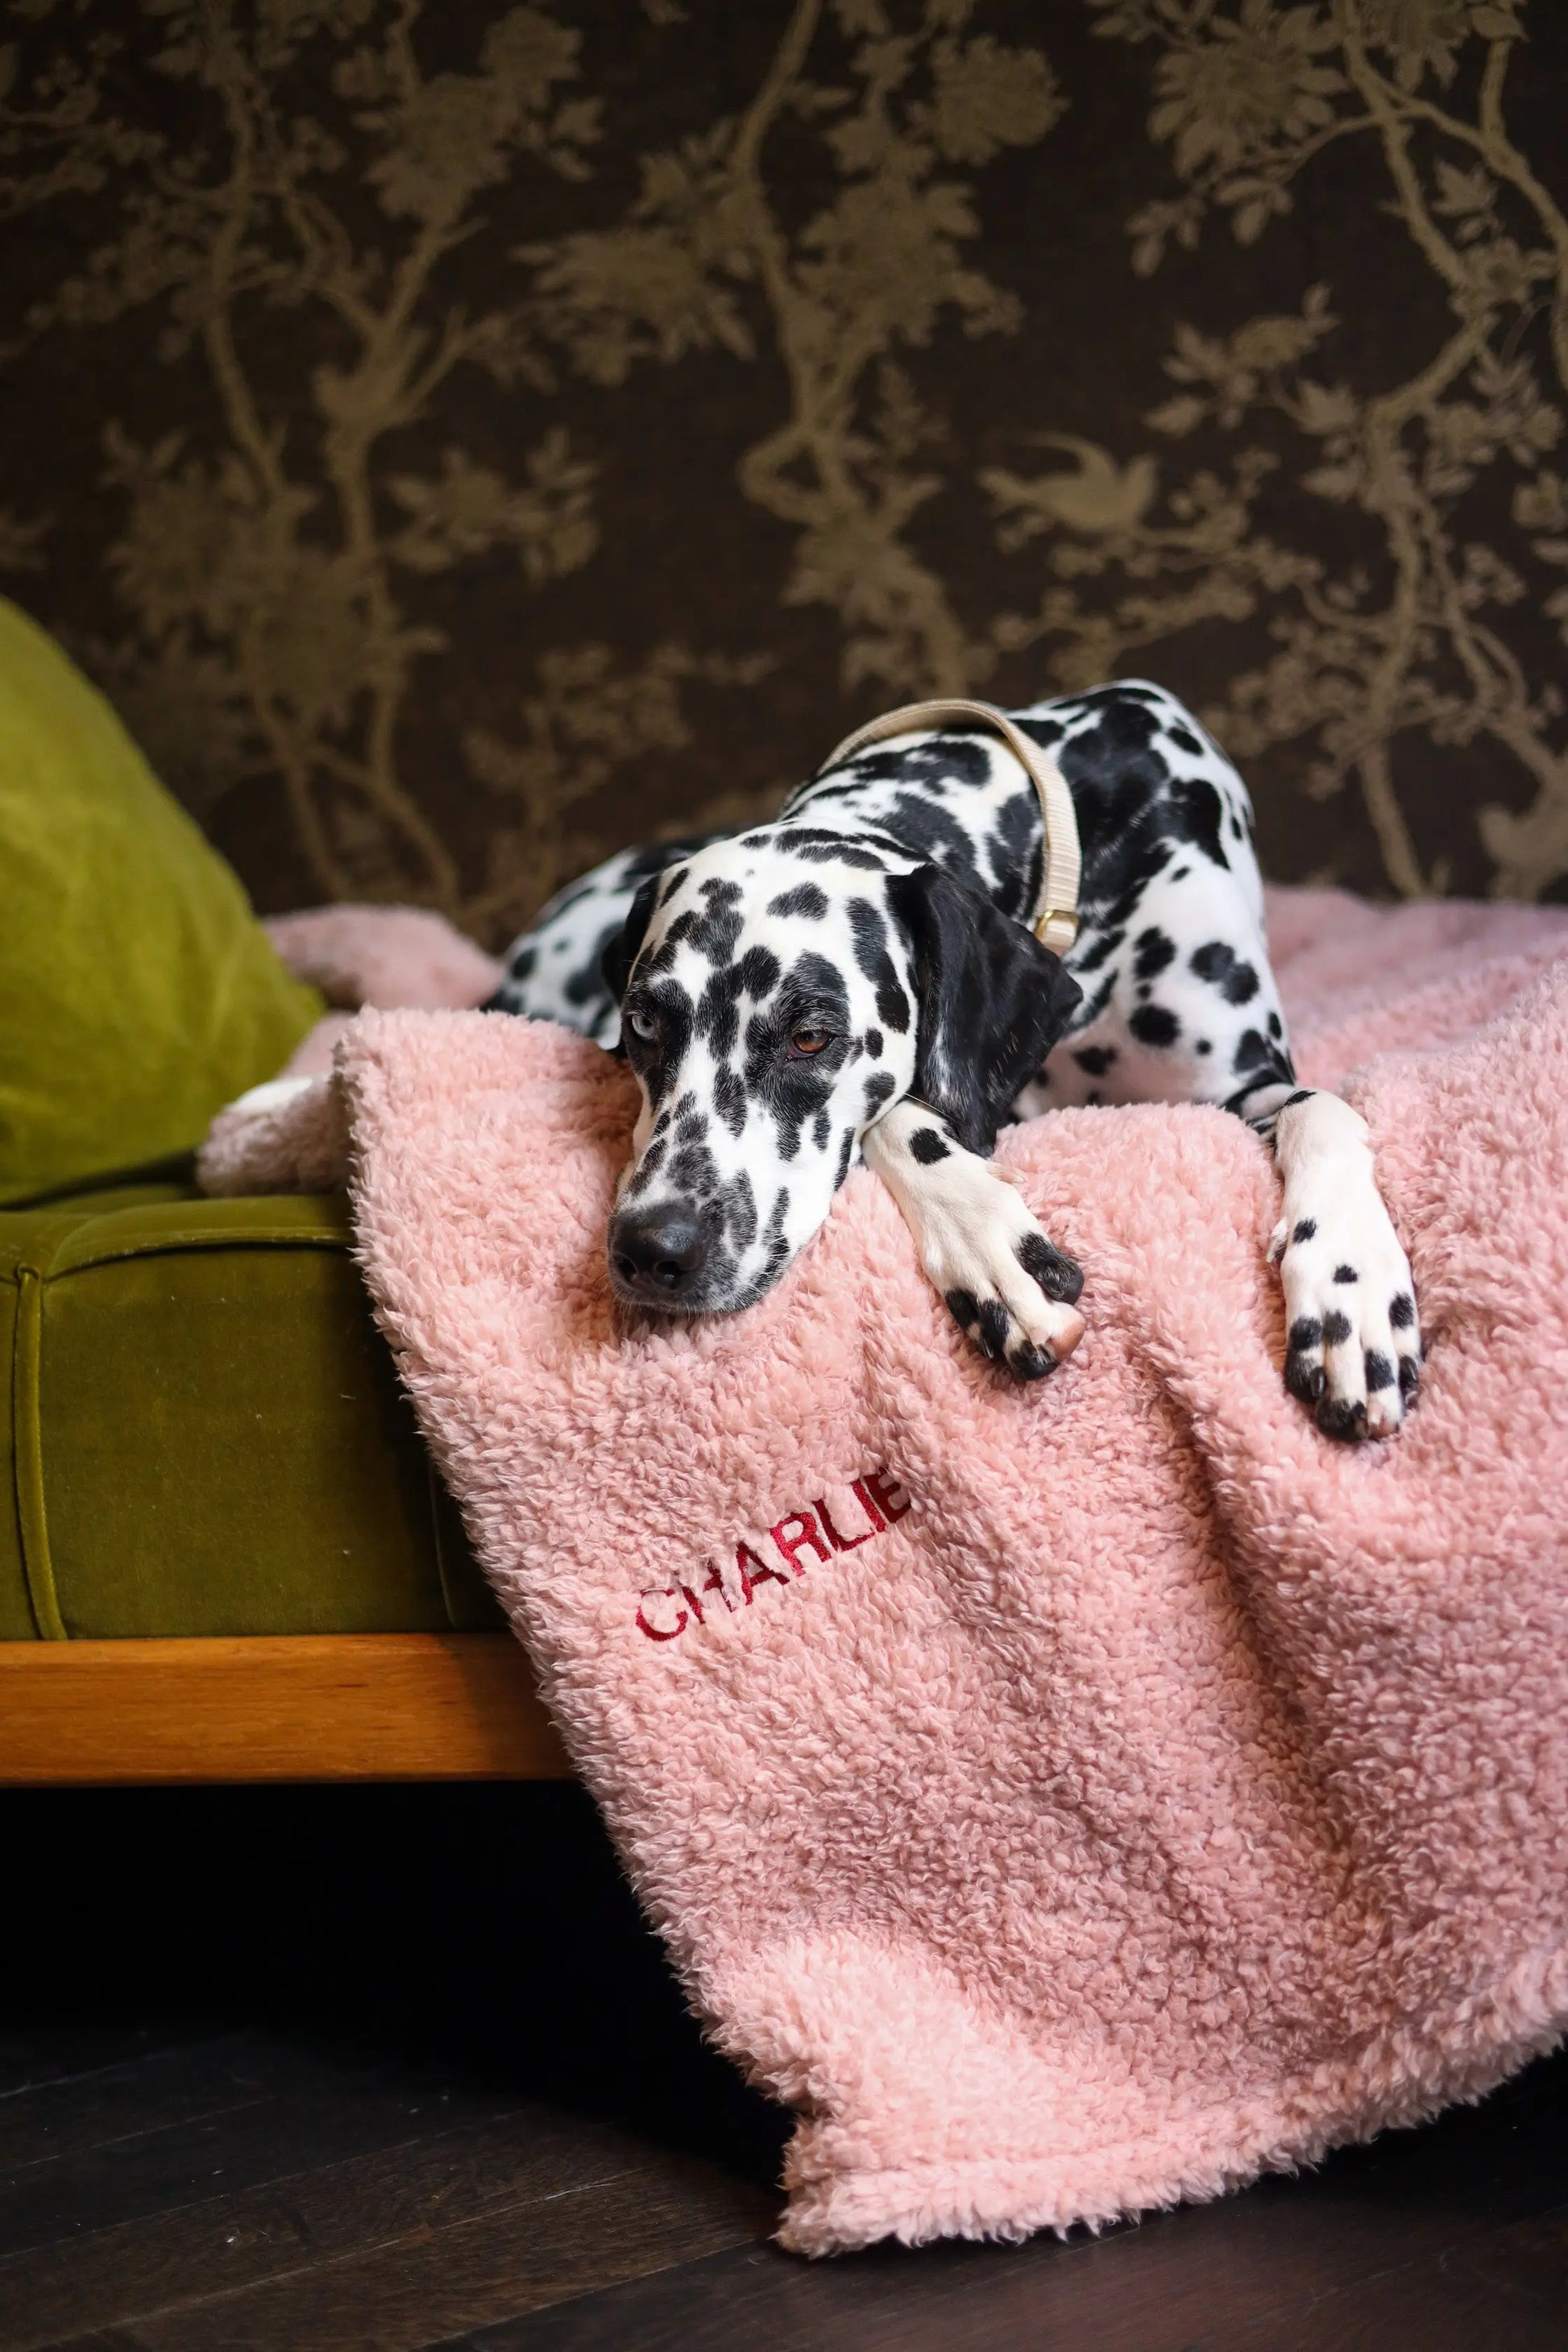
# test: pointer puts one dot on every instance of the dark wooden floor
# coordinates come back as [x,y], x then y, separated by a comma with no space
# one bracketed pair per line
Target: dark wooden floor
[315,2070]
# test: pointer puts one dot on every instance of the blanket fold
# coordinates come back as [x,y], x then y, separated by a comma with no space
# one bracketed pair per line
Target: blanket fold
[1073,1797]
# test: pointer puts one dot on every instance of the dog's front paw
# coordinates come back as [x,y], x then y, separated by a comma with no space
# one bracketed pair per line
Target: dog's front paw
[1353,1336]
[1012,1293]
[1006,1286]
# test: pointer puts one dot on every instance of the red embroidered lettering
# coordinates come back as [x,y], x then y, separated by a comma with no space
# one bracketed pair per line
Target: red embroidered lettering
[882,1487]
[754,1571]
[869,1507]
[712,1583]
[654,1632]
[882,1498]
[845,1543]
[787,1545]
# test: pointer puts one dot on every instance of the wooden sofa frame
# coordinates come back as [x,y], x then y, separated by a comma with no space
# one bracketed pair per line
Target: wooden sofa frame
[350,1707]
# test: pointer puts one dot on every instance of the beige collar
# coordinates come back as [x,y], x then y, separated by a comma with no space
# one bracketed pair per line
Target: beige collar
[1056,918]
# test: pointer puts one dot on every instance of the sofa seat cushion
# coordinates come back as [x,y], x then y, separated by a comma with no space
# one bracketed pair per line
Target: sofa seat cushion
[202,1430]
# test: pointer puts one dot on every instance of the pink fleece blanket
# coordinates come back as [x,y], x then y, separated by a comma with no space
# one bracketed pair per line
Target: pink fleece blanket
[1068,1799]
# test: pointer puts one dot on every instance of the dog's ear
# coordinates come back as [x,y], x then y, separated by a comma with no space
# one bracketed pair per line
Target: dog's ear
[616,961]
[991,1001]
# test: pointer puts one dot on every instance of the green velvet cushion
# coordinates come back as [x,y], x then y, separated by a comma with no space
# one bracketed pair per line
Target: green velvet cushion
[138,991]
[203,1432]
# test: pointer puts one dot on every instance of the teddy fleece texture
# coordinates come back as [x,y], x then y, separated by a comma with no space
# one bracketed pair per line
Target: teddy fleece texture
[1074,1798]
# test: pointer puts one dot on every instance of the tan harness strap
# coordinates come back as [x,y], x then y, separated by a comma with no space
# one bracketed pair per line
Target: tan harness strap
[1056,919]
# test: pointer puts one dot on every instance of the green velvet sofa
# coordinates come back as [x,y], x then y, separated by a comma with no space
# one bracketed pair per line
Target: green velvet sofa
[224,1552]
[206,1432]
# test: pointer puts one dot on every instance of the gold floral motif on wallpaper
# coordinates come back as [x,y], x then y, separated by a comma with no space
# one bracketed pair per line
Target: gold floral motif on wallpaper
[292,582]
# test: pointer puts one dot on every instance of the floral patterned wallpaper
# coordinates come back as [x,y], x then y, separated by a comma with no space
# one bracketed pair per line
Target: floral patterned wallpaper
[463,438]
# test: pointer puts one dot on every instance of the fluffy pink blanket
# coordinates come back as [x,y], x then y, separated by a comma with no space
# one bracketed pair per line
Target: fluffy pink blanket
[1068,1799]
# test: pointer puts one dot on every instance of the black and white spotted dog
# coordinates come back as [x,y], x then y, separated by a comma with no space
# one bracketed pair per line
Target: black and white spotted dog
[858,981]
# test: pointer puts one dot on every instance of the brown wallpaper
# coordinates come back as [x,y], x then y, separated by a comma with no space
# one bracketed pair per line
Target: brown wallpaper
[464,438]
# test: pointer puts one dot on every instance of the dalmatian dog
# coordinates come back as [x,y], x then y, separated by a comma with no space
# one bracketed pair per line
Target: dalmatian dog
[857,981]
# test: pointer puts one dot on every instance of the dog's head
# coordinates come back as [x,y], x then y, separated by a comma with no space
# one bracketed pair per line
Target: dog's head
[778,994]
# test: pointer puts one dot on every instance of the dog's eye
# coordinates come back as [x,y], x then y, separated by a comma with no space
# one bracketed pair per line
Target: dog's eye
[809,1039]
[644,1025]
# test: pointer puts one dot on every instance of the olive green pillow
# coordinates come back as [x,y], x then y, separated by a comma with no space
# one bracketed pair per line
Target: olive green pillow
[138,991]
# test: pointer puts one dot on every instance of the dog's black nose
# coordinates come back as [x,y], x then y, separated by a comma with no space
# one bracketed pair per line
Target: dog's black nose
[657,1253]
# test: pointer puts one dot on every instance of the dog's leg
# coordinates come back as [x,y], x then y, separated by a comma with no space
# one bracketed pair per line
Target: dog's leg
[1006,1286]
[1353,1336]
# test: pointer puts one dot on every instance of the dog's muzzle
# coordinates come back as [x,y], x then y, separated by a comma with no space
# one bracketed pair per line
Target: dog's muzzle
[657,1253]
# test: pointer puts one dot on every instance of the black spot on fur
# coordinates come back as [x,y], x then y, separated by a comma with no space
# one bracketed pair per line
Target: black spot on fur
[1154,1024]
[927,1146]
[1259,1060]
[994,1322]
[1338,1417]
[1184,740]
[1058,1275]
[1346,1274]
[1132,811]
[1305,1332]
[894,1007]
[873,1043]
[694,1172]
[1089,1011]
[1152,952]
[1093,957]
[925,824]
[737,1206]
[718,1017]
[1402,1310]
[1094,1059]
[1028,1362]
[869,930]
[1224,969]
[846,1154]
[715,930]
[877,1090]
[830,849]
[1336,1329]
[758,973]
[806,899]
[964,1309]
[1409,1376]
[729,1098]
[1379,1370]
[1015,851]
[1305,1228]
